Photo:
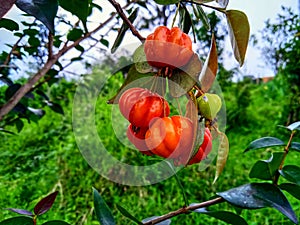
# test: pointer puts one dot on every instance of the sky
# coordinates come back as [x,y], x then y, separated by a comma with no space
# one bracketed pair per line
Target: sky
[258,11]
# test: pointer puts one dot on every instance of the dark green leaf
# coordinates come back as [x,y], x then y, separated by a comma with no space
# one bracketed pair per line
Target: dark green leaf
[264,142]
[38,112]
[43,10]
[185,20]
[79,8]
[104,42]
[239,31]
[45,204]
[6,131]
[165,222]
[34,42]
[55,107]
[79,48]
[201,15]
[259,195]
[295,146]
[293,189]
[294,126]
[9,24]
[11,90]
[19,125]
[56,222]
[102,210]
[227,217]
[183,80]
[76,59]
[291,173]
[20,220]
[75,34]
[21,211]
[123,30]
[128,214]
[266,169]
[166,2]
[94,5]
[42,94]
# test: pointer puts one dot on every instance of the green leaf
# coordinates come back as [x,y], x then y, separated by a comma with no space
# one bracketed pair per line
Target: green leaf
[20,220]
[222,156]
[43,10]
[165,222]
[79,48]
[259,195]
[6,131]
[210,68]
[166,2]
[225,216]
[139,58]
[21,211]
[266,169]
[185,20]
[264,142]
[291,173]
[203,1]
[295,146]
[79,8]
[128,214]
[56,222]
[201,15]
[239,31]
[74,34]
[55,107]
[19,125]
[123,30]
[294,126]
[183,80]
[45,204]
[104,42]
[293,189]
[102,210]
[9,24]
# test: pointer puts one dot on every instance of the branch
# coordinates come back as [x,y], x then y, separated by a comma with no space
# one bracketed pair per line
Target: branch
[185,210]
[126,20]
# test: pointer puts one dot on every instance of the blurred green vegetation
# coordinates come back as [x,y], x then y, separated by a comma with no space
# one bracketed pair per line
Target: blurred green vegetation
[44,157]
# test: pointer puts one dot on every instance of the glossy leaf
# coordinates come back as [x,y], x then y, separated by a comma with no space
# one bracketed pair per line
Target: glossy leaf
[45,204]
[123,30]
[201,15]
[9,24]
[79,48]
[209,70]
[293,189]
[294,126]
[295,146]
[55,107]
[239,31]
[139,58]
[227,217]
[38,112]
[43,10]
[56,222]
[74,34]
[102,210]
[104,42]
[5,6]
[185,79]
[79,8]
[264,142]
[20,220]
[166,2]
[185,20]
[222,156]
[266,169]
[128,214]
[21,211]
[165,222]
[259,195]
[291,173]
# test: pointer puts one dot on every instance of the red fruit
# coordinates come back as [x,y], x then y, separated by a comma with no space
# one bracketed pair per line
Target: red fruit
[170,137]
[168,47]
[136,136]
[139,106]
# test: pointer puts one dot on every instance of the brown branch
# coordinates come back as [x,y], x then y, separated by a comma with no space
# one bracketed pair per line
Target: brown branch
[185,210]
[126,20]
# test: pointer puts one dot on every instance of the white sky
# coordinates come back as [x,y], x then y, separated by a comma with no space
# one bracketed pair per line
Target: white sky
[258,11]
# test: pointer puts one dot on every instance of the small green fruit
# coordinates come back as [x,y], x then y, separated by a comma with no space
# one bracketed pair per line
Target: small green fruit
[209,105]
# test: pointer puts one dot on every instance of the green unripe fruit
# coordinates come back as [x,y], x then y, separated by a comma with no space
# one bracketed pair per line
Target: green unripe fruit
[209,105]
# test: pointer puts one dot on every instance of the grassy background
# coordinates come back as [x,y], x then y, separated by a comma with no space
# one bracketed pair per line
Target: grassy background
[44,157]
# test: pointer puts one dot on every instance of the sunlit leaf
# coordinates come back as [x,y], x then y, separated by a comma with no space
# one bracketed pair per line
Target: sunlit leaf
[291,173]
[209,70]
[102,210]
[166,2]
[239,31]
[294,126]
[264,142]
[9,24]
[259,195]
[43,10]
[222,156]
[266,169]
[20,220]
[128,214]
[293,189]
[45,204]
[123,30]
[139,58]
[201,15]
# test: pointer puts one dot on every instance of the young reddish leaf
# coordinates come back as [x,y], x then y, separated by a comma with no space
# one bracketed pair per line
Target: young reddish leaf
[239,31]
[222,156]
[209,70]
[264,142]
[20,220]
[45,204]
[259,195]
[21,211]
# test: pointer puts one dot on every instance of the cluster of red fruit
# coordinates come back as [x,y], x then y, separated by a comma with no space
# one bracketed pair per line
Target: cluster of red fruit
[153,131]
